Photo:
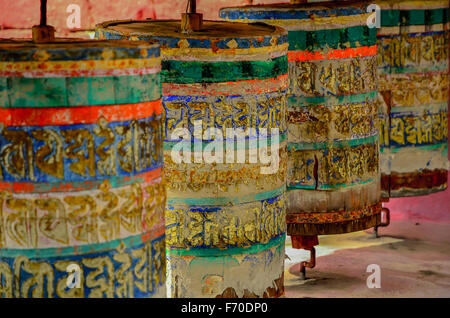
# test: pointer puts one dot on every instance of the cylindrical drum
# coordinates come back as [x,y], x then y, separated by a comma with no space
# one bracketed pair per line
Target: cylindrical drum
[224,95]
[333,176]
[413,95]
[81,196]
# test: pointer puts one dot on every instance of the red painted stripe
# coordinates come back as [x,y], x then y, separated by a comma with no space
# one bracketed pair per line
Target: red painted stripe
[36,187]
[153,232]
[30,116]
[333,54]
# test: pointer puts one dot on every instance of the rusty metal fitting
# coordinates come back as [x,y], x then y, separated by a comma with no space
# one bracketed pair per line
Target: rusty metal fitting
[191,20]
[304,241]
[310,264]
[387,221]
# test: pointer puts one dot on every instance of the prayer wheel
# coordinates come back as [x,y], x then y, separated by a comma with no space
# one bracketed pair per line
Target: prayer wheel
[413,95]
[81,195]
[333,176]
[224,88]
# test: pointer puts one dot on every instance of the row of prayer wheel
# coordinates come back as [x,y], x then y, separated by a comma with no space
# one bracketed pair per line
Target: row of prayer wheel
[172,157]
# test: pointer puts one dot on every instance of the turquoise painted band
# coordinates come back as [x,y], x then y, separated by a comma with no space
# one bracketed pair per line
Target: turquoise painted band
[294,186]
[79,91]
[208,252]
[228,200]
[412,69]
[333,144]
[391,149]
[262,141]
[414,17]
[295,101]
[430,108]
[128,242]
[174,71]
[334,38]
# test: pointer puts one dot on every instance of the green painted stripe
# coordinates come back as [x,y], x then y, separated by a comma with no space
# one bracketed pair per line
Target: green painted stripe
[78,91]
[72,250]
[215,201]
[412,69]
[334,38]
[294,101]
[326,186]
[419,109]
[332,144]
[168,145]
[389,149]
[414,17]
[202,72]
[208,252]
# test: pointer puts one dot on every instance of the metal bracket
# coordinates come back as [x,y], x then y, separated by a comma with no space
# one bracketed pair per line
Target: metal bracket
[383,224]
[310,264]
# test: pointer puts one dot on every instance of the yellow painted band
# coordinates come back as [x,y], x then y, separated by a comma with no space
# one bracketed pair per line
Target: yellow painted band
[193,53]
[359,19]
[80,65]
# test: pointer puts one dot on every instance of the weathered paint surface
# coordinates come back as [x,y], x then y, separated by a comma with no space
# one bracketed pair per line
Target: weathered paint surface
[413,94]
[225,222]
[80,169]
[333,176]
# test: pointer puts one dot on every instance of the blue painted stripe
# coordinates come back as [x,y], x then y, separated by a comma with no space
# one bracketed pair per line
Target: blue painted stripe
[280,13]
[70,158]
[172,42]
[69,51]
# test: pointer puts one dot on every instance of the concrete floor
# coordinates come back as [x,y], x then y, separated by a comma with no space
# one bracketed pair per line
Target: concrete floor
[414,260]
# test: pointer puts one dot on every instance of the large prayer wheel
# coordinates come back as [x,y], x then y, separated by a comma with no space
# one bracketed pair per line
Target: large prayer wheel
[333,140]
[225,217]
[413,90]
[81,195]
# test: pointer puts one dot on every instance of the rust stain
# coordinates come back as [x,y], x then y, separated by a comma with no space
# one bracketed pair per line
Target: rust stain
[425,179]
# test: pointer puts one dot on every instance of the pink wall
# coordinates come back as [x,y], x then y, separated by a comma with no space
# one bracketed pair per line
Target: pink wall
[18,15]
[434,207]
